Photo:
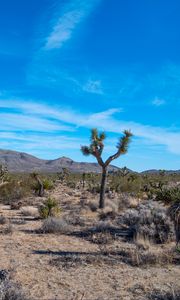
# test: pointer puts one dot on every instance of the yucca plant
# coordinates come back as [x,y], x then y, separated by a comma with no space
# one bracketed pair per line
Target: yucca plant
[168,196]
[96,149]
[49,209]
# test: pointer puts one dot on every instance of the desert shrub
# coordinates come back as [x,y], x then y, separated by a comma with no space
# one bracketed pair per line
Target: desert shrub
[9,229]
[128,200]
[48,184]
[168,196]
[3,220]
[173,294]
[107,214]
[10,192]
[149,220]
[55,225]
[49,208]
[10,290]
[93,205]
[139,257]
[102,233]
[101,238]
[74,219]
[16,205]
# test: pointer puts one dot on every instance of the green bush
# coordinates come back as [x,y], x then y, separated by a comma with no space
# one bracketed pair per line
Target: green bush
[13,191]
[48,184]
[168,196]
[49,209]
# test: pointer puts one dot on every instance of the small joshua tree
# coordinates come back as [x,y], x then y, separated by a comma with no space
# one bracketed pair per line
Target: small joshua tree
[96,148]
[39,183]
[3,175]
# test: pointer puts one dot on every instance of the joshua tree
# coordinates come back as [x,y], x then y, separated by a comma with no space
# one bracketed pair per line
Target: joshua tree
[3,175]
[40,184]
[124,172]
[96,148]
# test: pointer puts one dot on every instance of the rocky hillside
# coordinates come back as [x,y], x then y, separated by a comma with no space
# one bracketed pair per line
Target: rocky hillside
[23,162]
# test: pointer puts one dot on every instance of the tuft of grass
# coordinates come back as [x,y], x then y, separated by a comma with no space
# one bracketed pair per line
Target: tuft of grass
[55,225]
[152,256]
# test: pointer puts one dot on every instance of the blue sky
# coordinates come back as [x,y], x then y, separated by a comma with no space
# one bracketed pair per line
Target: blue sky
[67,66]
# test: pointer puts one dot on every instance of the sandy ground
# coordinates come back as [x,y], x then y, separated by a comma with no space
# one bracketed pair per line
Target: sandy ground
[28,255]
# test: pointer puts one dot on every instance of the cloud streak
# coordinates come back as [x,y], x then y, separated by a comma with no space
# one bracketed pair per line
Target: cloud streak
[74,12]
[108,120]
[158,102]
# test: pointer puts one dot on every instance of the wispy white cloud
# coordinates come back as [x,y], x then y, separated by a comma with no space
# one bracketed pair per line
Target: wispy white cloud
[93,86]
[73,13]
[32,140]
[158,102]
[106,120]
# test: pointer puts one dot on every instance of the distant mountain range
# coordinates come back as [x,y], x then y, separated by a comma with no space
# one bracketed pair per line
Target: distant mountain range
[23,162]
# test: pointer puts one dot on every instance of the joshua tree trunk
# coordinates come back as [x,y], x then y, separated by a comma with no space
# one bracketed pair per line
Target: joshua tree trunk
[103,187]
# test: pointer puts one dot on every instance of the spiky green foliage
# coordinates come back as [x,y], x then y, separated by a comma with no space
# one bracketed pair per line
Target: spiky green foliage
[122,146]
[96,146]
[167,195]
[124,141]
[49,209]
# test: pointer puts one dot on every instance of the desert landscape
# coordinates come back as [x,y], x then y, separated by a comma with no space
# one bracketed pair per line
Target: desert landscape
[62,246]
[89,150]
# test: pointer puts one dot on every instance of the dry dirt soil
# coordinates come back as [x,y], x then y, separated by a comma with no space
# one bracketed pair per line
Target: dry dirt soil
[29,256]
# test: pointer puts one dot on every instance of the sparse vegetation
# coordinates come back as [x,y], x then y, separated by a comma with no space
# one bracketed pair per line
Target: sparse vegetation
[124,241]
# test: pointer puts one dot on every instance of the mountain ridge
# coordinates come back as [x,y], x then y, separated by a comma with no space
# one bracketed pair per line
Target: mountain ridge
[21,162]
